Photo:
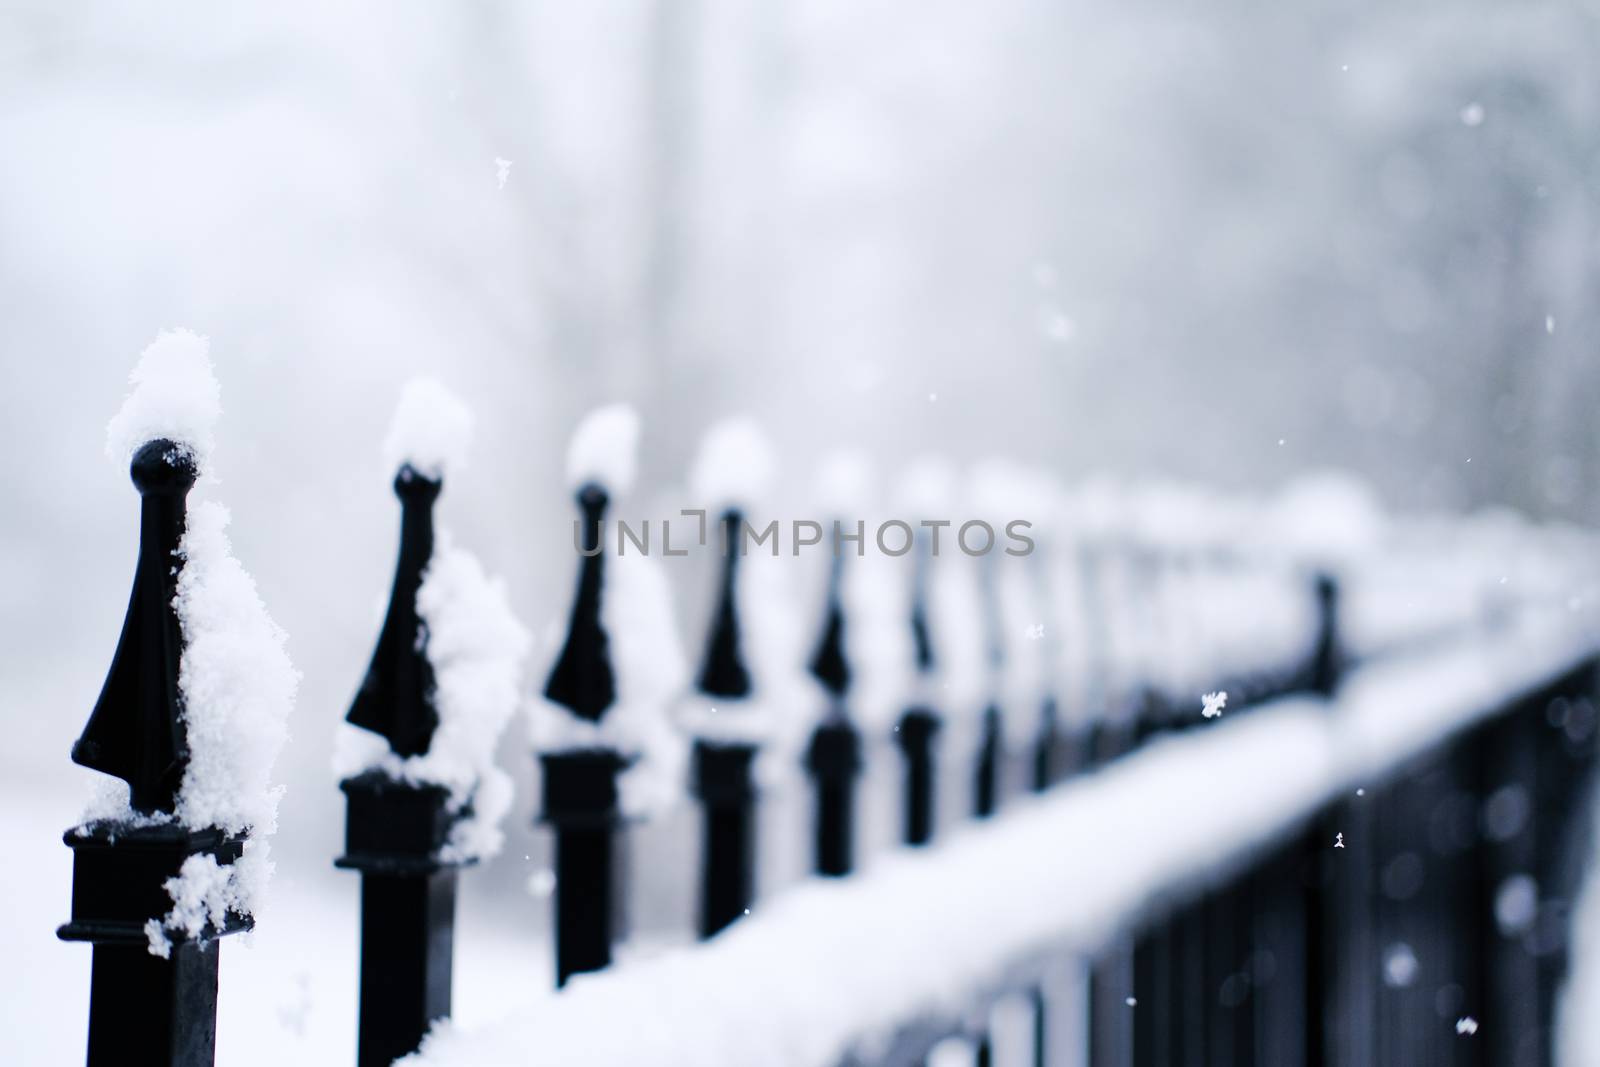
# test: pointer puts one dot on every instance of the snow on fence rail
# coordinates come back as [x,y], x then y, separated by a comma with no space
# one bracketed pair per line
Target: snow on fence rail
[1318,643]
[830,970]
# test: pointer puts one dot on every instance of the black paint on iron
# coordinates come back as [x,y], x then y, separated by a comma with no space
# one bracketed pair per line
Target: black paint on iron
[581,799]
[135,732]
[582,680]
[723,672]
[396,695]
[723,771]
[834,755]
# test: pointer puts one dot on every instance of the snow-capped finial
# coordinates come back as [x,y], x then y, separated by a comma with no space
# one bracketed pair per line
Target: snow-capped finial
[396,698]
[735,465]
[175,398]
[582,680]
[844,485]
[136,732]
[600,461]
[928,490]
[431,430]
[604,449]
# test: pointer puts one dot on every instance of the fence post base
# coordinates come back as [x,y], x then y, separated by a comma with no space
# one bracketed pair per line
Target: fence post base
[834,760]
[581,803]
[165,1008]
[724,782]
[918,737]
[393,836]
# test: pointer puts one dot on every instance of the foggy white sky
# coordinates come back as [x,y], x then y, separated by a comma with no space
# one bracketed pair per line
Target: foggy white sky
[1149,238]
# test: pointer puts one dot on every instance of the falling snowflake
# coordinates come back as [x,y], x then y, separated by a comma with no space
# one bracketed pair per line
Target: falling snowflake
[542,883]
[1130,1002]
[1213,703]
[1549,324]
[1466,1025]
[1338,841]
[1399,965]
[1057,326]
[1472,115]
[1036,631]
[502,171]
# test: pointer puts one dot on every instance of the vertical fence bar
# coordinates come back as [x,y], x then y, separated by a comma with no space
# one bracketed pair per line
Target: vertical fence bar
[917,737]
[396,831]
[834,755]
[581,804]
[581,797]
[1564,774]
[164,1007]
[917,733]
[723,770]
[725,785]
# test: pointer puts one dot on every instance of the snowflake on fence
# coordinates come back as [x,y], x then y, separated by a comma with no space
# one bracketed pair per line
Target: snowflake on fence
[1213,703]
[1467,1025]
[1338,841]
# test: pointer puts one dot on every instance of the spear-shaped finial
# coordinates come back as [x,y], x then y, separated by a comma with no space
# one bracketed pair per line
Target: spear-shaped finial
[428,436]
[582,680]
[396,696]
[723,672]
[136,732]
[921,636]
[600,462]
[733,471]
[829,665]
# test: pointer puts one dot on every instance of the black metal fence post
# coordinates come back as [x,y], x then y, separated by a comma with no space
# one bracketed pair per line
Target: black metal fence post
[395,831]
[158,1010]
[723,770]
[834,755]
[917,733]
[581,799]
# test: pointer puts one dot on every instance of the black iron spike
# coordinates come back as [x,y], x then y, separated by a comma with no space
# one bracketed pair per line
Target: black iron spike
[136,731]
[829,665]
[396,696]
[723,673]
[921,633]
[582,680]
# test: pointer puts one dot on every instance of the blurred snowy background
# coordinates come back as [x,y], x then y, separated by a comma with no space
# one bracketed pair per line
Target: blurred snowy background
[1229,242]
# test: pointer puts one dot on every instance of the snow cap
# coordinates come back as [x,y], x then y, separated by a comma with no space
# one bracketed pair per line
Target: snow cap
[844,484]
[928,489]
[175,396]
[604,449]
[431,429]
[1329,516]
[735,465]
